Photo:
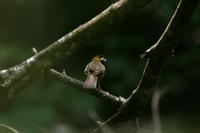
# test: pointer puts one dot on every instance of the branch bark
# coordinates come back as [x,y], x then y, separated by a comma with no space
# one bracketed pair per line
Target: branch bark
[99,93]
[15,78]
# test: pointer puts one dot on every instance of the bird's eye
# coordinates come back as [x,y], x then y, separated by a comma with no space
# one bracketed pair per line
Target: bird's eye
[103,60]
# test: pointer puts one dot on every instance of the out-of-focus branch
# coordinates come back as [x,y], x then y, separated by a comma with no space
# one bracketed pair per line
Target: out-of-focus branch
[15,78]
[11,129]
[157,56]
[103,95]
[155,101]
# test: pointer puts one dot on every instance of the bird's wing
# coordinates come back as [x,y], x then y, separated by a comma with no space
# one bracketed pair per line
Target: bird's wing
[87,68]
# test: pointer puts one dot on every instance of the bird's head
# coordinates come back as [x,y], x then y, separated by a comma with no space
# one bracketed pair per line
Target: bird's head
[100,58]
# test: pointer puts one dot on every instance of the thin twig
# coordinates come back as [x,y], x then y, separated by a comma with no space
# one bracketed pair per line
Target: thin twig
[104,129]
[105,122]
[9,128]
[168,40]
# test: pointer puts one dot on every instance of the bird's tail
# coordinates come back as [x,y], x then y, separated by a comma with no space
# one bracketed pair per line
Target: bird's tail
[90,82]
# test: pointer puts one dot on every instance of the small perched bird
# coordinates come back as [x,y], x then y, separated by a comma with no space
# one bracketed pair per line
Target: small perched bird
[95,71]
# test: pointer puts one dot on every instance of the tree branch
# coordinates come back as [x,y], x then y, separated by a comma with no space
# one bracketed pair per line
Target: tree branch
[103,95]
[166,42]
[15,78]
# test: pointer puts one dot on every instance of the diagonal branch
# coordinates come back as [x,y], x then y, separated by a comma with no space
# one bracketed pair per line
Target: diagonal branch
[103,95]
[168,40]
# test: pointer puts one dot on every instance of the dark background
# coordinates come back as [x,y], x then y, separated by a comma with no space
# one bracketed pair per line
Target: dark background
[48,106]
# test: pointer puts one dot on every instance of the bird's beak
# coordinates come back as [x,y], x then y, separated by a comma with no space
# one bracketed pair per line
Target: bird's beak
[103,60]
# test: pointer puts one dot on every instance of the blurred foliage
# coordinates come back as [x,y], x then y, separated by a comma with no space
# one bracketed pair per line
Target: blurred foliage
[48,106]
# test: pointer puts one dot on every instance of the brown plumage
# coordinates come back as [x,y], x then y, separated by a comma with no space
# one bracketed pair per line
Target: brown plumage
[95,71]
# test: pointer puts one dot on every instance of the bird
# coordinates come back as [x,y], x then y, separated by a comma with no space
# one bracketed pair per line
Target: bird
[94,71]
